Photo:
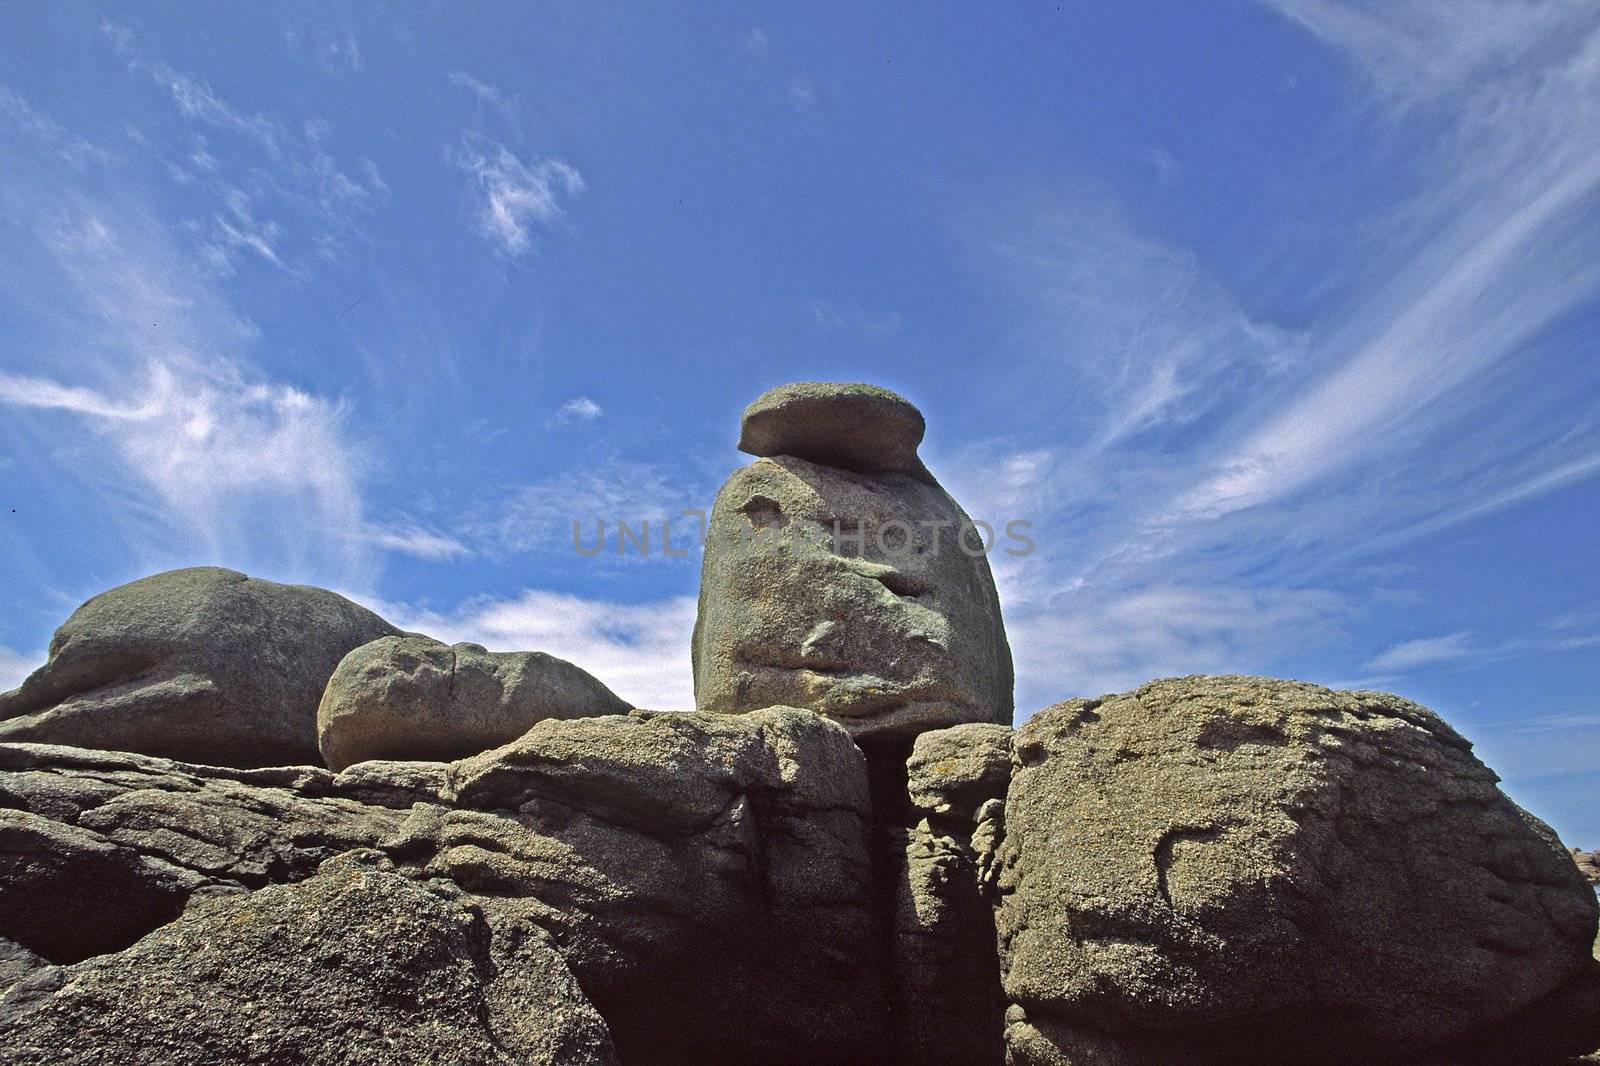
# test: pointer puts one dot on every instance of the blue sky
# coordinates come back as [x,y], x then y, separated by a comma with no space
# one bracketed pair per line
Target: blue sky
[1277,320]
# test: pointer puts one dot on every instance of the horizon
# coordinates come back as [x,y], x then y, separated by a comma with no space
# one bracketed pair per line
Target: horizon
[1275,320]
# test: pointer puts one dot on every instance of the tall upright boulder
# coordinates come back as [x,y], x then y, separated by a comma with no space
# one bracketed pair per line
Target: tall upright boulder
[840,577]
[203,664]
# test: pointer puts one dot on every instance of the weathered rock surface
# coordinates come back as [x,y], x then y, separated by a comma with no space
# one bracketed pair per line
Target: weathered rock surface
[946,970]
[1588,863]
[411,697]
[1240,870]
[858,592]
[1203,871]
[205,665]
[851,426]
[707,878]
[354,965]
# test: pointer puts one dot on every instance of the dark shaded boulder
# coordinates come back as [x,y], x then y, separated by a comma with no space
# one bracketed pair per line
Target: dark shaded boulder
[1242,870]
[707,878]
[839,578]
[204,664]
[355,965]
[411,697]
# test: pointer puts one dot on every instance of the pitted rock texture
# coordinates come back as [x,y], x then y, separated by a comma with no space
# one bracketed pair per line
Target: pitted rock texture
[847,425]
[862,593]
[205,665]
[946,971]
[410,697]
[355,965]
[1204,871]
[1242,870]
[707,878]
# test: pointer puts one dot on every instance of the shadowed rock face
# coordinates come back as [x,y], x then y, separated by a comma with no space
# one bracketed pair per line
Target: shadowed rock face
[948,1001]
[411,697]
[1205,871]
[1291,873]
[706,878]
[202,664]
[840,577]
[355,965]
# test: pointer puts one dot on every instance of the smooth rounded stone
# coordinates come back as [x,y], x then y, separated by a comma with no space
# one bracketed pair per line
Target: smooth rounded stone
[865,597]
[1244,870]
[851,426]
[355,965]
[411,697]
[204,664]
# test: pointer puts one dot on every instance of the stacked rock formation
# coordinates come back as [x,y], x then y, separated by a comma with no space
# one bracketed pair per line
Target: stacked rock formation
[840,577]
[1204,871]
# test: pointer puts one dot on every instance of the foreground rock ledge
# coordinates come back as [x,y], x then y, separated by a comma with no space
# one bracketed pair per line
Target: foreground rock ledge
[1203,871]
[705,878]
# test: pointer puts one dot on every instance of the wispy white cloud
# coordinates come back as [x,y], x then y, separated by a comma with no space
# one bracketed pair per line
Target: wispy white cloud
[72,149]
[1498,248]
[1548,722]
[1092,640]
[802,95]
[194,99]
[15,665]
[340,49]
[254,163]
[200,455]
[336,49]
[417,542]
[640,650]
[579,409]
[1419,52]
[211,443]
[540,517]
[1542,747]
[507,105]
[850,318]
[1205,448]
[1167,168]
[238,229]
[1425,651]
[513,196]
[1147,339]
[18,390]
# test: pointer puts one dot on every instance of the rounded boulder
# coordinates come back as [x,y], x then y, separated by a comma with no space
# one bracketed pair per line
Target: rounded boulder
[415,698]
[204,664]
